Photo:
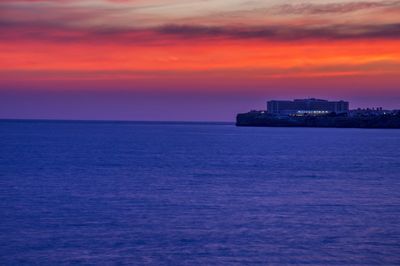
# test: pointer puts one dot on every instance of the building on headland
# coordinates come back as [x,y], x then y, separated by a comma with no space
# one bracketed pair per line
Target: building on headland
[367,112]
[319,113]
[309,106]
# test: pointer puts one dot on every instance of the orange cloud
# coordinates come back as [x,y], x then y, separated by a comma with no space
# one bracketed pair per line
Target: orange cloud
[81,42]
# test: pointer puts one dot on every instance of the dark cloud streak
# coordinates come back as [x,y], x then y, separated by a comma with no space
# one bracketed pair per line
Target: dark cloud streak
[173,33]
[385,31]
[315,9]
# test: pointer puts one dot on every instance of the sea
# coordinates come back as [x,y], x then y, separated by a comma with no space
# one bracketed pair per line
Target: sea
[148,193]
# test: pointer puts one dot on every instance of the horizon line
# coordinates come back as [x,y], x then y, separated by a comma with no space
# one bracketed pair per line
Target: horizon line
[114,121]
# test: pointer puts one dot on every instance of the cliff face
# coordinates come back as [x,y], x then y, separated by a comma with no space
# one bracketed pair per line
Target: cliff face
[262,119]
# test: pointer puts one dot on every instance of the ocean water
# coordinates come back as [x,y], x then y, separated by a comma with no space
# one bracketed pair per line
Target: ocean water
[113,193]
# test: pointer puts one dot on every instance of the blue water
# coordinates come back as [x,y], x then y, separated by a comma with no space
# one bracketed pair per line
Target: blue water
[103,193]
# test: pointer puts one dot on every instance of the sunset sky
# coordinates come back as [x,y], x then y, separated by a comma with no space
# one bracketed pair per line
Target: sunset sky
[193,60]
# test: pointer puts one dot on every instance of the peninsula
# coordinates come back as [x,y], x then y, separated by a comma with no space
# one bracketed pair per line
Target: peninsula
[319,113]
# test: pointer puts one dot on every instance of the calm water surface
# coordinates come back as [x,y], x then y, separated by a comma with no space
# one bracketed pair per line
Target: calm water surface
[197,194]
